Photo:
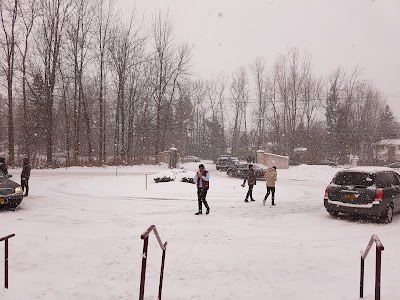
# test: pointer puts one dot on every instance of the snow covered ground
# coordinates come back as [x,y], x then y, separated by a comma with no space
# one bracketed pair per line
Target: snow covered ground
[78,237]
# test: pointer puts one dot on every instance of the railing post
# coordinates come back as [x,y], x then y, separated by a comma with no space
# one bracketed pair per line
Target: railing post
[378,274]
[144,263]
[6,264]
[362,278]
[161,274]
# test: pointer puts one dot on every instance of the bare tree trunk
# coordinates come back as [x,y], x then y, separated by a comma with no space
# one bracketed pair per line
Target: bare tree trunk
[103,39]
[9,51]
[28,15]
[54,15]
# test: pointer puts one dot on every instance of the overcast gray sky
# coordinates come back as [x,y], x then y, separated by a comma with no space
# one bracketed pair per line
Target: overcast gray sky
[226,34]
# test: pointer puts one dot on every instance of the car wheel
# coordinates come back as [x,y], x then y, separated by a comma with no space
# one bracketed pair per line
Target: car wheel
[333,213]
[387,216]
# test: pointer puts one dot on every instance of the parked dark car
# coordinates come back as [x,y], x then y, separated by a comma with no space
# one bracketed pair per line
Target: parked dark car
[223,163]
[394,165]
[190,158]
[240,171]
[327,162]
[10,192]
[364,191]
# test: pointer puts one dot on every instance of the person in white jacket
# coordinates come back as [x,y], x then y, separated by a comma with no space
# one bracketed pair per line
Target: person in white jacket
[270,179]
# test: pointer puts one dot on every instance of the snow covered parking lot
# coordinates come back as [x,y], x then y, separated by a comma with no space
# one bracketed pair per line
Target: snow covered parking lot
[78,237]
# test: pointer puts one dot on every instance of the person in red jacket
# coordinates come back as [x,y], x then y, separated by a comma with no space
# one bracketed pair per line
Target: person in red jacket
[202,179]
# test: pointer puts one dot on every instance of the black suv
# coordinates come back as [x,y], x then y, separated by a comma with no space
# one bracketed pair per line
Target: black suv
[367,191]
[10,192]
[240,171]
[224,162]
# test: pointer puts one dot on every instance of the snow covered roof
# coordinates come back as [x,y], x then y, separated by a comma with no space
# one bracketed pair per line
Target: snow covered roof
[276,155]
[368,169]
[389,142]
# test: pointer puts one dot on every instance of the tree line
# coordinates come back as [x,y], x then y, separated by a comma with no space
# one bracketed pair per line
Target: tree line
[81,84]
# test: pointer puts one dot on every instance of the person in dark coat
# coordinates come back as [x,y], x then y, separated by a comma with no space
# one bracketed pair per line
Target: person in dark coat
[25,175]
[3,166]
[202,178]
[251,179]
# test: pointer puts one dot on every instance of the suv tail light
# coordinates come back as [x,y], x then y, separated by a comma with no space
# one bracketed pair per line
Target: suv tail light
[326,192]
[379,194]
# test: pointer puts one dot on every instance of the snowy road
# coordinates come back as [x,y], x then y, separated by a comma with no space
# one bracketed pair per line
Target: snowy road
[78,237]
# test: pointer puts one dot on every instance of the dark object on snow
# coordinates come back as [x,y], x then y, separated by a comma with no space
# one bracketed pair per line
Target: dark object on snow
[163,179]
[187,179]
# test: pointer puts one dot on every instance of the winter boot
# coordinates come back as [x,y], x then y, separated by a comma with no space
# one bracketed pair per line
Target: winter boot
[273,202]
[252,199]
[245,200]
[208,210]
[198,213]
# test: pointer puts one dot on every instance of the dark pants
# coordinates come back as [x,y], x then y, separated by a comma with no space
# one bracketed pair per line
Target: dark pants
[201,196]
[270,190]
[25,185]
[250,192]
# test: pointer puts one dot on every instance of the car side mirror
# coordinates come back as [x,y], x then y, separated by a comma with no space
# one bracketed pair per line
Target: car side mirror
[8,175]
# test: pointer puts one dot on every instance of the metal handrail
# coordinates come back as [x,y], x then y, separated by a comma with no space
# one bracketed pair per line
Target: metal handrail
[145,238]
[378,266]
[5,239]
[149,230]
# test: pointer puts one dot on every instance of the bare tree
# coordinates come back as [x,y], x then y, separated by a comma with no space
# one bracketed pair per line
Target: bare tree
[8,14]
[103,18]
[240,95]
[170,62]
[28,13]
[258,69]
[125,48]
[54,14]
[79,35]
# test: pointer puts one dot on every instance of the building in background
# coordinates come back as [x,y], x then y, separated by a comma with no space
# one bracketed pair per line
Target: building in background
[387,151]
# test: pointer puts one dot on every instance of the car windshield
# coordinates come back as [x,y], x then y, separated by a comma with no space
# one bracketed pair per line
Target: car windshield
[354,178]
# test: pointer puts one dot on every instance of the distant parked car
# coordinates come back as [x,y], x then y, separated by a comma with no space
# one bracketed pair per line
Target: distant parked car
[327,162]
[394,165]
[223,163]
[240,171]
[367,191]
[190,159]
[10,192]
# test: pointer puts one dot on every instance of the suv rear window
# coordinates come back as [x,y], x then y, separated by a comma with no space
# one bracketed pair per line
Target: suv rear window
[354,178]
